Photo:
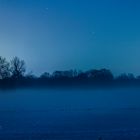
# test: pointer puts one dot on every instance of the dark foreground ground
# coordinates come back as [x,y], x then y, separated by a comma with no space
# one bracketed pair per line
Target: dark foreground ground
[70,114]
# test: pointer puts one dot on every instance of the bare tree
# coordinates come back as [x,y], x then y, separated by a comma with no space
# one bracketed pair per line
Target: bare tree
[4,68]
[17,67]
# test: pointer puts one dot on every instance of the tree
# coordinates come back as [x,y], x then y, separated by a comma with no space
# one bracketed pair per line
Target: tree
[45,75]
[17,67]
[4,68]
[102,74]
[126,77]
[30,75]
[66,74]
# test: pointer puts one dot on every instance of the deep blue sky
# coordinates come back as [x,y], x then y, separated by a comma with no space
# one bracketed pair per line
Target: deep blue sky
[80,34]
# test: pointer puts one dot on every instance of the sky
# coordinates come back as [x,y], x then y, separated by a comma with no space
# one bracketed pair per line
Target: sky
[72,34]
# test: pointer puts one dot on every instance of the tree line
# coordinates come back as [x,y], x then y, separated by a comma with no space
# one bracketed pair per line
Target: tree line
[13,74]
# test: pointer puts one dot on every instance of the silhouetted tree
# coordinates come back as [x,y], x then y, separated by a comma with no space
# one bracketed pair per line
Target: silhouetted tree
[17,67]
[125,77]
[103,74]
[131,76]
[75,73]
[30,75]
[138,77]
[82,75]
[122,77]
[68,74]
[4,68]
[45,75]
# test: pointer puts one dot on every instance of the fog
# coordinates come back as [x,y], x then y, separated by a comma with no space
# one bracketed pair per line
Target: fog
[70,114]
